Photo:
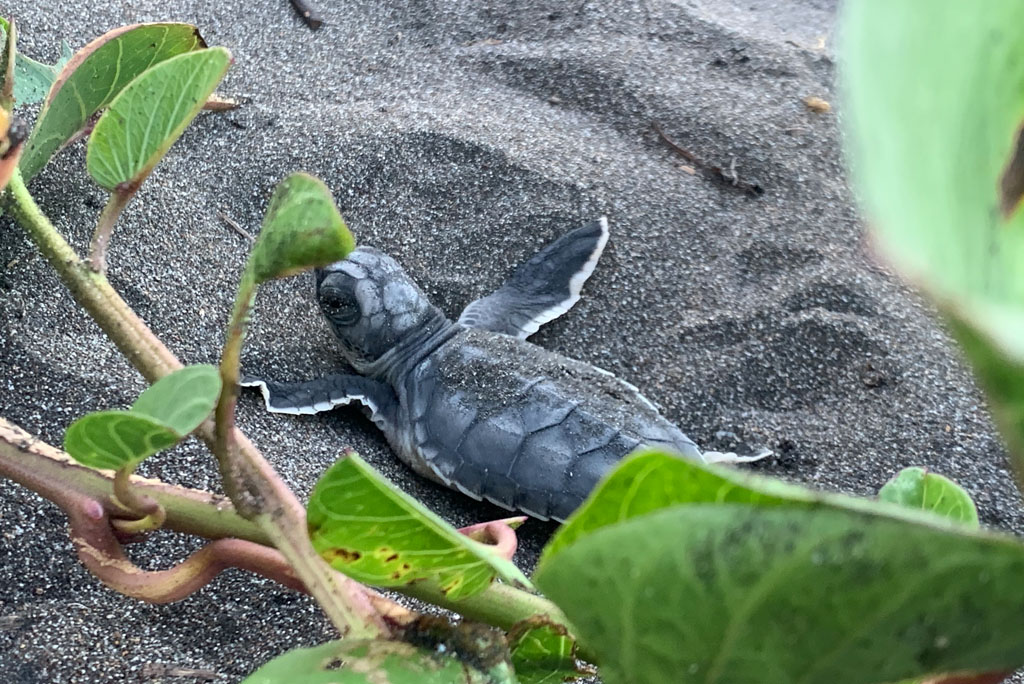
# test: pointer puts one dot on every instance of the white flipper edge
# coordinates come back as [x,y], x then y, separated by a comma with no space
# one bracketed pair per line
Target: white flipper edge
[575,286]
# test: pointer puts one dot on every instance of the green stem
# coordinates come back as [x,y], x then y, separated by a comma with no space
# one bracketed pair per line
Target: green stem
[54,475]
[91,290]
[230,364]
[148,514]
[105,228]
[280,515]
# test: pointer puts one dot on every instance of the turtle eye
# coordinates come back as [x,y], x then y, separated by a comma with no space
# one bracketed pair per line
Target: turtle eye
[341,309]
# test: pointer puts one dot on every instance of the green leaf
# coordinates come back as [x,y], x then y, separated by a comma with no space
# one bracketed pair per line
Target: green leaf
[95,76]
[544,653]
[789,595]
[676,550]
[302,229]
[116,439]
[149,114]
[8,61]
[935,135]
[917,488]
[161,417]
[377,534]
[651,479]
[181,400]
[32,79]
[372,662]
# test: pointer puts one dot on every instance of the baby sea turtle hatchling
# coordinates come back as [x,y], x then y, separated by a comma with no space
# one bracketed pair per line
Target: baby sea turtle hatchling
[472,404]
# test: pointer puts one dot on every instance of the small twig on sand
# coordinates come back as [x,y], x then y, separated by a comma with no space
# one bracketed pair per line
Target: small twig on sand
[308,13]
[160,670]
[233,225]
[730,177]
[222,103]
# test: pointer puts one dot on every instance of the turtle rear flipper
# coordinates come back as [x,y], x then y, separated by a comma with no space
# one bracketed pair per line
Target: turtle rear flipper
[543,288]
[326,393]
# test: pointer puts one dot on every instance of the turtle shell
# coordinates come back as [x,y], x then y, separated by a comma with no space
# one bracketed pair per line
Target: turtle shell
[502,419]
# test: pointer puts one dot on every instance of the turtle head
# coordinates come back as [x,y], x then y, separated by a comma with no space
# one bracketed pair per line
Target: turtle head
[371,305]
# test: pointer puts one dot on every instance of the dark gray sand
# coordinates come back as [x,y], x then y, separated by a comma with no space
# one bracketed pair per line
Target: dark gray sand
[461,136]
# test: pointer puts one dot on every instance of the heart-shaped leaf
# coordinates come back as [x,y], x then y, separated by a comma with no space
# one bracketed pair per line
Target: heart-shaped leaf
[935,135]
[918,488]
[302,229]
[373,662]
[95,76]
[375,533]
[709,575]
[116,439]
[149,114]
[181,400]
[161,417]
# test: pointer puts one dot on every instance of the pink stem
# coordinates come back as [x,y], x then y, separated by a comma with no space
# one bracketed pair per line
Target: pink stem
[497,533]
[100,552]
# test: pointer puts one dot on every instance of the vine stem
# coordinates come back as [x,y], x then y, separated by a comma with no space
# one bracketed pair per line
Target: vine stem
[54,475]
[278,512]
[105,228]
[51,473]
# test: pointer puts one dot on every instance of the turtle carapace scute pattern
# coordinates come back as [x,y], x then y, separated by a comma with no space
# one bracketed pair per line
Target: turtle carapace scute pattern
[470,403]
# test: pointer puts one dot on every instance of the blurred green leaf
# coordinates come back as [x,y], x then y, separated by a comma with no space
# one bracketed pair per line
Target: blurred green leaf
[710,575]
[302,229]
[745,594]
[375,533]
[8,54]
[934,117]
[95,76]
[150,114]
[162,416]
[651,479]
[917,488]
[544,653]
[371,662]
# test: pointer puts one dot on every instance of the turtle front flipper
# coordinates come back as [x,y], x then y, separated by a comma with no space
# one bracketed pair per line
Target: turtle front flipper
[543,288]
[326,393]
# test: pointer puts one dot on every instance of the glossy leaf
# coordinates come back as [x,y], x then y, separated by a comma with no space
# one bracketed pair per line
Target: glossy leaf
[375,533]
[161,417]
[181,400]
[918,488]
[651,479]
[116,439]
[302,229]
[543,653]
[150,114]
[780,595]
[372,662]
[95,76]
[935,134]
